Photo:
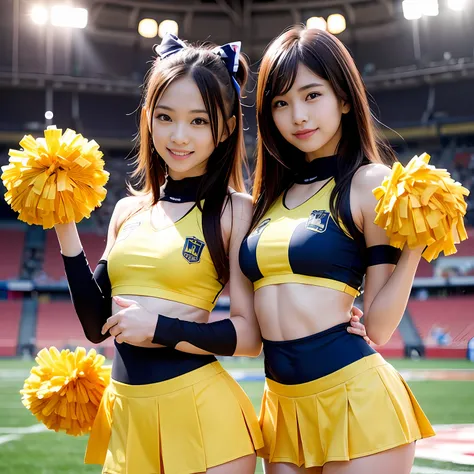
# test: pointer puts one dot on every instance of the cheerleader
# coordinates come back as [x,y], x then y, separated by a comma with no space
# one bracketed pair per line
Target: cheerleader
[171,248]
[331,404]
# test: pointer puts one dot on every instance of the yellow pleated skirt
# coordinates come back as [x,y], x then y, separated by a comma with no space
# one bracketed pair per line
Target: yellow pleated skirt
[184,425]
[359,410]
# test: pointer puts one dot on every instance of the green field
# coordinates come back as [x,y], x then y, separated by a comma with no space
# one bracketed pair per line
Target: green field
[51,453]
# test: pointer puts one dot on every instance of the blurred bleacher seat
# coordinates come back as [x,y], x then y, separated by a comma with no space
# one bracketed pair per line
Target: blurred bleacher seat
[10,313]
[11,248]
[454,315]
[58,326]
[93,244]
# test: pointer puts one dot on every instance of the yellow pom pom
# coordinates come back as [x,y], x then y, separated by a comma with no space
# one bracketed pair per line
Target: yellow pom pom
[65,389]
[420,205]
[55,179]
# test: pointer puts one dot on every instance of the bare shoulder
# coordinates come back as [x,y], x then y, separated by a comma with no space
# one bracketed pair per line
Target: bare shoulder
[242,206]
[368,177]
[236,215]
[125,207]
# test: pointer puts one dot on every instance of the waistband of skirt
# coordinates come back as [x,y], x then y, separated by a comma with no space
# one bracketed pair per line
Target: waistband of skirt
[167,386]
[328,381]
[307,339]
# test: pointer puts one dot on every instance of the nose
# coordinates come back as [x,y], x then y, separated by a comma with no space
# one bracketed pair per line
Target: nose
[180,135]
[300,115]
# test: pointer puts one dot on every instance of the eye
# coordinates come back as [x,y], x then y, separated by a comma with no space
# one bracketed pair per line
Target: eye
[163,117]
[313,95]
[199,121]
[279,103]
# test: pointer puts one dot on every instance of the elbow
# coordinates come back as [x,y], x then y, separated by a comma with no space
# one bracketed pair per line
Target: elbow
[378,338]
[95,337]
[248,337]
[255,350]
[380,341]
[377,333]
[250,350]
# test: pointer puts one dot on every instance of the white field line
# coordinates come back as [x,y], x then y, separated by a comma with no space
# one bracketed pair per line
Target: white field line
[15,434]
[8,438]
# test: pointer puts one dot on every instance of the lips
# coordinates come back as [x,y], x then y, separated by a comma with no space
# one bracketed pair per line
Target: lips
[180,154]
[306,133]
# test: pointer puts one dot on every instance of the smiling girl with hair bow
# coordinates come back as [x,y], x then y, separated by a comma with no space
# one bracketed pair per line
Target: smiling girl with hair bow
[171,248]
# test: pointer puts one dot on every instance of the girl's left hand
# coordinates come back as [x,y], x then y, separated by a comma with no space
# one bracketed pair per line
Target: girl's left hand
[356,326]
[133,324]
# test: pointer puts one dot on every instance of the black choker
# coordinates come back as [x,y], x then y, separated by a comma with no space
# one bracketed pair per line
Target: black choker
[183,190]
[316,170]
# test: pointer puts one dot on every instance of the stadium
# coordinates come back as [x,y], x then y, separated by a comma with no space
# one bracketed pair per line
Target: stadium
[81,65]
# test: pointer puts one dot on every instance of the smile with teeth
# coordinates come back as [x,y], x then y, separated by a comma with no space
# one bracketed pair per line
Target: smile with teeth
[180,153]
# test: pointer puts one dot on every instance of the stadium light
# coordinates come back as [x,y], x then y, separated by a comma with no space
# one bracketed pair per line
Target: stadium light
[457,5]
[316,22]
[69,17]
[148,28]
[167,26]
[39,15]
[430,7]
[336,23]
[412,9]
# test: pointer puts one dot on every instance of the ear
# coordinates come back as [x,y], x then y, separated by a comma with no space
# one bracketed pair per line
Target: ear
[346,107]
[231,123]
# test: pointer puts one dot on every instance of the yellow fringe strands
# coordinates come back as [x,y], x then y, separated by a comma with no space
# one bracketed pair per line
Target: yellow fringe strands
[55,179]
[420,205]
[65,389]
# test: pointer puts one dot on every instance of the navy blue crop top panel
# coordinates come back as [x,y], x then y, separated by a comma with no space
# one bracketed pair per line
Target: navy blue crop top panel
[303,245]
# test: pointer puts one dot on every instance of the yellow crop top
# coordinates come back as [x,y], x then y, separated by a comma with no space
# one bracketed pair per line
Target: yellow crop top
[172,263]
[303,245]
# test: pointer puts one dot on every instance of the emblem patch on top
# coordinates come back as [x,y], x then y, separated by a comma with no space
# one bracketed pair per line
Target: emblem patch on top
[192,249]
[318,221]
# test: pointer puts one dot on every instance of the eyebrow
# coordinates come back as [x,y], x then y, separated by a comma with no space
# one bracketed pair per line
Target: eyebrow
[194,111]
[309,86]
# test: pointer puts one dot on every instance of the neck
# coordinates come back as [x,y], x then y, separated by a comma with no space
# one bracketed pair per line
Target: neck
[182,189]
[318,169]
[176,176]
[320,154]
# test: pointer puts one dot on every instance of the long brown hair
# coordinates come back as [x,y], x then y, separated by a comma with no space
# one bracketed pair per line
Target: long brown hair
[224,166]
[327,57]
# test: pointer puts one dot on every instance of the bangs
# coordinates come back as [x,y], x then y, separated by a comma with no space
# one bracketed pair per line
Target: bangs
[159,82]
[283,74]
[211,93]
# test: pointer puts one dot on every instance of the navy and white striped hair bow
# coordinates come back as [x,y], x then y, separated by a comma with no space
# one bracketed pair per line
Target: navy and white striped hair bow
[169,45]
[229,53]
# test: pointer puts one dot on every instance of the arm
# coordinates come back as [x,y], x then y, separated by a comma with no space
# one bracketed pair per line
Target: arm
[90,292]
[387,287]
[237,335]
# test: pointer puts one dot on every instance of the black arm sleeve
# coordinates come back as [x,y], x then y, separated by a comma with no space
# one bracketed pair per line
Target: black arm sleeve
[218,338]
[91,295]
[380,254]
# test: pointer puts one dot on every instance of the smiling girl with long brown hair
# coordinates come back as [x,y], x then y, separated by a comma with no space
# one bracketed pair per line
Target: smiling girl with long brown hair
[332,404]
